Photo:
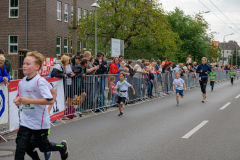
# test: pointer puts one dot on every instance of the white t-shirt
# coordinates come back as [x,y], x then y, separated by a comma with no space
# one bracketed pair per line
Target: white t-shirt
[178,83]
[123,87]
[35,116]
[138,75]
[189,60]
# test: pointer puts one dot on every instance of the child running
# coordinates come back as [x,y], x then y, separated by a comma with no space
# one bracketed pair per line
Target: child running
[34,95]
[232,75]
[122,85]
[178,84]
[212,76]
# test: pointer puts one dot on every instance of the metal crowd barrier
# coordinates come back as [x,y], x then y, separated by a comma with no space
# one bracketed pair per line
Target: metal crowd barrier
[94,92]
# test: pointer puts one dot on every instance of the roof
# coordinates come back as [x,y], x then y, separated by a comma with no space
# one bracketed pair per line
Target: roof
[230,45]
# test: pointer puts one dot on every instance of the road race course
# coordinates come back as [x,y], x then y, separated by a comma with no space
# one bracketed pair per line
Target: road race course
[159,130]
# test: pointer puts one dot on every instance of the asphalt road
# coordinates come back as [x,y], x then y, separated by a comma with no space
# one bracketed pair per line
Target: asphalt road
[160,130]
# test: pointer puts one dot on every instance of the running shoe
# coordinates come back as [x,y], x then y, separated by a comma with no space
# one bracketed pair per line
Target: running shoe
[202,101]
[64,153]
[47,155]
[177,103]
[120,114]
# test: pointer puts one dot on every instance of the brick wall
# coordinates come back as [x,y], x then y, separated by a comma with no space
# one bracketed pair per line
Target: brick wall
[57,28]
[43,27]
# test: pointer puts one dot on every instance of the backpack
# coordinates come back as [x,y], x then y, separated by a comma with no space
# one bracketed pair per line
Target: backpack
[70,110]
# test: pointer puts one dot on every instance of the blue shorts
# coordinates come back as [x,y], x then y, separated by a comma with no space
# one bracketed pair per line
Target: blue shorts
[180,92]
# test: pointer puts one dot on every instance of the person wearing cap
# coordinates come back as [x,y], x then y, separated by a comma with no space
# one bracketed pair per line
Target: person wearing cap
[101,78]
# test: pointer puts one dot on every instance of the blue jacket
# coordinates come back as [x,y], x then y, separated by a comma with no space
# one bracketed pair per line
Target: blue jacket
[204,68]
[4,74]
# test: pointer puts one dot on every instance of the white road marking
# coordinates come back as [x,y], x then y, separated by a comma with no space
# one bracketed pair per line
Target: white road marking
[238,96]
[194,130]
[225,106]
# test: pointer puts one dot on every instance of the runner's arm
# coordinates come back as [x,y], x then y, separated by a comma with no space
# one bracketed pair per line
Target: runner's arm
[43,101]
[54,94]
[133,90]
[184,86]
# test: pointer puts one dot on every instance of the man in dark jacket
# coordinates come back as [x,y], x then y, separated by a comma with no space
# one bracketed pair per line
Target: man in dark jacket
[100,78]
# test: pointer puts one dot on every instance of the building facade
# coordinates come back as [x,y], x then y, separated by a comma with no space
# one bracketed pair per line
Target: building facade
[39,25]
[226,49]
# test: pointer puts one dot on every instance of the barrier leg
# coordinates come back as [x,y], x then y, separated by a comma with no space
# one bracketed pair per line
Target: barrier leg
[3,138]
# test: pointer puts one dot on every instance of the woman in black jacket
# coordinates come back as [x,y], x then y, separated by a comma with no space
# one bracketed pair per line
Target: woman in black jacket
[130,79]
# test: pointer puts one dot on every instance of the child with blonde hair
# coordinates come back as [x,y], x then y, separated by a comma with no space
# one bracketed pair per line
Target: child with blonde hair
[33,97]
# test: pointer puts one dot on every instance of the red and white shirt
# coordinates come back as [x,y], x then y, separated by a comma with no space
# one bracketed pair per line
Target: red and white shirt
[35,116]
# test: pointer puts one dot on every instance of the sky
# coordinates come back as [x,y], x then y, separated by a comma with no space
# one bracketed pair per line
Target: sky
[230,8]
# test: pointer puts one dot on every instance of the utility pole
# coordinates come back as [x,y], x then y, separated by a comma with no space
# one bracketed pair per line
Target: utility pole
[74,26]
[236,53]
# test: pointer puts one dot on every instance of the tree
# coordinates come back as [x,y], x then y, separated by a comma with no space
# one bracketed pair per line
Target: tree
[193,34]
[140,23]
[232,57]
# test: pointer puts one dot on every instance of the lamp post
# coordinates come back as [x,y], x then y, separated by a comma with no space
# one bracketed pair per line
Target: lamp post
[95,5]
[204,12]
[223,44]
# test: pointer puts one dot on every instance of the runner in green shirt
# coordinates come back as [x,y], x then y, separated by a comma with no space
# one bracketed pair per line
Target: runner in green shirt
[232,75]
[212,76]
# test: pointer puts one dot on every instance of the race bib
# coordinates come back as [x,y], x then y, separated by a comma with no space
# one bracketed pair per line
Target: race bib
[200,78]
[232,76]
[212,77]
[121,94]
[28,107]
[178,85]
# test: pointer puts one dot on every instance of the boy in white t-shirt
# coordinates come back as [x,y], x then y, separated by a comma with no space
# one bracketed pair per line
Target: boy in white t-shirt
[34,96]
[122,85]
[178,84]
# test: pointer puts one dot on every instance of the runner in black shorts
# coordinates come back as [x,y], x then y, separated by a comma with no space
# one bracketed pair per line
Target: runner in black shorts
[203,70]
[122,85]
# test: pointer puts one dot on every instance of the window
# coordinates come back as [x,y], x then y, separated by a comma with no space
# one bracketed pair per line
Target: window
[79,14]
[65,12]
[59,10]
[79,45]
[58,45]
[65,45]
[71,12]
[13,44]
[85,14]
[13,8]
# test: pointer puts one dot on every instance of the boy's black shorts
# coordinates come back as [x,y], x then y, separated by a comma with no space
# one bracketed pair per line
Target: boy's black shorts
[121,99]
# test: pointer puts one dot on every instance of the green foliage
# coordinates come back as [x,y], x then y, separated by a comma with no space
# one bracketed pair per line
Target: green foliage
[147,31]
[193,34]
[233,58]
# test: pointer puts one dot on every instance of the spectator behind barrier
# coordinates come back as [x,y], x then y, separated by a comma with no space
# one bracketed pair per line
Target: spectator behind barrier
[102,64]
[79,53]
[113,67]
[121,62]
[88,82]
[100,80]
[59,68]
[7,63]
[80,72]
[4,76]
